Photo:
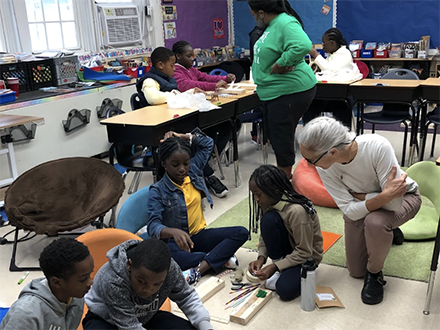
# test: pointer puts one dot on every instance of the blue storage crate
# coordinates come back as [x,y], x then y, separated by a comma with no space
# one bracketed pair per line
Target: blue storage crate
[7,97]
[366,53]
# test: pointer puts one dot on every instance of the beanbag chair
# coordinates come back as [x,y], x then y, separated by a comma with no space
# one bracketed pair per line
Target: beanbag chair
[306,181]
[424,225]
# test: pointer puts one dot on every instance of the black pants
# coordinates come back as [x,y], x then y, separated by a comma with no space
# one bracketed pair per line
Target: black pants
[161,320]
[341,110]
[281,116]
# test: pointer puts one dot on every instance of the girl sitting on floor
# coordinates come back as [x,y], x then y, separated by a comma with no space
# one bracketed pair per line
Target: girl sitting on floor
[290,231]
[175,208]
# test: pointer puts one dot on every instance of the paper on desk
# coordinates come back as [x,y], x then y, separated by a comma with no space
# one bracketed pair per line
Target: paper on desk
[196,101]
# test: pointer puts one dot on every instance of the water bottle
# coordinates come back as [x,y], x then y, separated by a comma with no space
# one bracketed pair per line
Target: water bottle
[308,285]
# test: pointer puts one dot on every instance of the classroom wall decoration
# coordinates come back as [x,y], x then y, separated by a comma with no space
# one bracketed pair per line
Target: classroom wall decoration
[315,21]
[194,23]
[390,21]
[218,27]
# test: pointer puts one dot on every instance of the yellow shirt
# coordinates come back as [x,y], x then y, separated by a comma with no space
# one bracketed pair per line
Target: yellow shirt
[193,201]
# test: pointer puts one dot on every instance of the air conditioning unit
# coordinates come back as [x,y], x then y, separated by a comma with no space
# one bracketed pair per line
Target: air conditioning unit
[120,24]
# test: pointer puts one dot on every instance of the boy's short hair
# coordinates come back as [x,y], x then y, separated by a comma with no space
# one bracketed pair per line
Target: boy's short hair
[153,254]
[60,257]
[161,54]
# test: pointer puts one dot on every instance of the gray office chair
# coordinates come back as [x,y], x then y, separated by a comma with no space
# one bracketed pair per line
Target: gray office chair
[393,113]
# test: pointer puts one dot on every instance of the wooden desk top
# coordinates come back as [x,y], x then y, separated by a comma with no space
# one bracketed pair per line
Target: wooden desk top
[347,82]
[15,120]
[394,59]
[430,82]
[387,83]
[148,116]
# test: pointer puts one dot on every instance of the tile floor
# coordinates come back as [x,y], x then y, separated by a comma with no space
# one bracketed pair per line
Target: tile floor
[401,309]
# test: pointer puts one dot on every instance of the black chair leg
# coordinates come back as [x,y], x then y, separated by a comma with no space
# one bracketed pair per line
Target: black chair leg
[373,128]
[433,139]
[405,138]
[13,266]
[434,263]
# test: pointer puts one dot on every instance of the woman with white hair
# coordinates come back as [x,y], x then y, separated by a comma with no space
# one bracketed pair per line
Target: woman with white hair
[364,178]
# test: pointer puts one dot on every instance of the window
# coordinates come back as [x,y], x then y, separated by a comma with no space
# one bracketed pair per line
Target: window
[52,24]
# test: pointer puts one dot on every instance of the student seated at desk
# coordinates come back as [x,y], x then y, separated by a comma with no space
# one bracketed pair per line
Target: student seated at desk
[130,288]
[56,301]
[339,58]
[188,77]
[156,85]
[175,212]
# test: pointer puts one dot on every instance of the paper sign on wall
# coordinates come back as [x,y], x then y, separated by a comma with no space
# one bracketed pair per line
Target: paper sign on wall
[325,10]
[218,26]
[169,13]
[170,30]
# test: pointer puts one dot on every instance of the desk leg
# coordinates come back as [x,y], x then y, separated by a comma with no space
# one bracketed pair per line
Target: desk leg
[434,263]
[423,128]
[12,166]
[413,136]
[235,146]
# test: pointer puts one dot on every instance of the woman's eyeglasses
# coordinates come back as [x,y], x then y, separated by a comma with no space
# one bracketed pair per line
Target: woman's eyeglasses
[319,158]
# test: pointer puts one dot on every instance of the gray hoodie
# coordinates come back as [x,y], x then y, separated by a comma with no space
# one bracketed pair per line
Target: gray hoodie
[38,308]
[113,299]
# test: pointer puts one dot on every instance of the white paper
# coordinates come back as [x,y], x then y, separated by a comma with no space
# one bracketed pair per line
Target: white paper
[325,296]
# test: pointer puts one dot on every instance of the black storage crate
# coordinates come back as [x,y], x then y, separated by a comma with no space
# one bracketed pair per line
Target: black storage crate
[16,70]
[41,74]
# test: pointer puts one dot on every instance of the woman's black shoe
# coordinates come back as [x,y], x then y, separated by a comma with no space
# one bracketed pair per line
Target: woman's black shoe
[372,292]
[398,236]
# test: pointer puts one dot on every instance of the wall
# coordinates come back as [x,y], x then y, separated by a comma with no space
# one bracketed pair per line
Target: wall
[195,22]
[315,23]
[51,142]
[390,21]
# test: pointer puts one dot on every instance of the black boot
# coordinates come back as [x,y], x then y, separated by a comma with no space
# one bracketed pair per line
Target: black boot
[398,236]
[372,292]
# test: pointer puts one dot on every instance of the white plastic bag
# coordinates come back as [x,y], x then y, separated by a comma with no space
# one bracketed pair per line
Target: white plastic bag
[195,101]
[346,74]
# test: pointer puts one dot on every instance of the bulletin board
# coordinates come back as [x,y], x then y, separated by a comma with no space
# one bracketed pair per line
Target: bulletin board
[390,21]
[203,24]
[315,23]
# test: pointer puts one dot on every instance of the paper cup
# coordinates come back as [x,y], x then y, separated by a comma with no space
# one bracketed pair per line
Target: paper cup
[13,84]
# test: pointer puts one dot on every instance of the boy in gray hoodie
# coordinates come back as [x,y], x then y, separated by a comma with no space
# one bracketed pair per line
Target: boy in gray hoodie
[129,290]
[56,301]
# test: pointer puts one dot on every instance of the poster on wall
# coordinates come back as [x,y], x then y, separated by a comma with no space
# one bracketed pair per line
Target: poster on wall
[218,26]
[170,30]
[169,13]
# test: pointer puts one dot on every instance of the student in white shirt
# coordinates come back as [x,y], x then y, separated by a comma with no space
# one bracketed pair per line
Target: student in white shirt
[339,58]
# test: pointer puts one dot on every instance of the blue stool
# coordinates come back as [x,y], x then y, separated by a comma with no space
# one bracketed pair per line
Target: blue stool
[218,72]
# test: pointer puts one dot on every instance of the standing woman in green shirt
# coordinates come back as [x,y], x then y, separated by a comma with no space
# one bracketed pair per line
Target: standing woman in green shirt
[285,83]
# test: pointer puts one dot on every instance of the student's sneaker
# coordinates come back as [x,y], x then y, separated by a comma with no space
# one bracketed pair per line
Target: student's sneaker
[192,276]
[272,281]
[214,184]
[232,262]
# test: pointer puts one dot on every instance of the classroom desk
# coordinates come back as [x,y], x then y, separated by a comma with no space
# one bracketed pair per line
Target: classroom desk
[388,91]
[8,121]
[148,125]
[430,89]
[333,90]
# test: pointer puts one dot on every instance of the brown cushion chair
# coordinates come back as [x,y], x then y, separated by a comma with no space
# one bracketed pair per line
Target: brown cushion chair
[62,195]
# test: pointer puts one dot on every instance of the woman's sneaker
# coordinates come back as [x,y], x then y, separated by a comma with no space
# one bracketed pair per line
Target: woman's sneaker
[214,184]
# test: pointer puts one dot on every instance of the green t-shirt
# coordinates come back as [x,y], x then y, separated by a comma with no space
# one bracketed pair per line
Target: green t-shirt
[285,42]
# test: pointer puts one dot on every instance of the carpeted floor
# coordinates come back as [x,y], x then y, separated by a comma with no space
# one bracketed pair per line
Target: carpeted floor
[411,260]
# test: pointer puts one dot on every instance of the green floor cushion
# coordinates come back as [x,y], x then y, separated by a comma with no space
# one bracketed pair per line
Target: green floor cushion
[424,225]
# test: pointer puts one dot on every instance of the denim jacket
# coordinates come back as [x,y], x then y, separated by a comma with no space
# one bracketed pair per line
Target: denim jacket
[166,202]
